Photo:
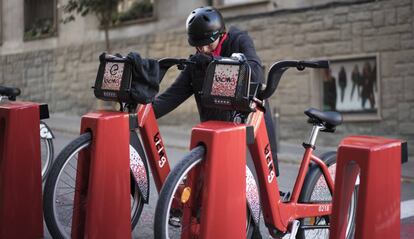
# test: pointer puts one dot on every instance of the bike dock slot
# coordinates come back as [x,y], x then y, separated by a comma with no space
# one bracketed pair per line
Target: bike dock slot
[103,178]
[224,202]
[378,160]
[20,171]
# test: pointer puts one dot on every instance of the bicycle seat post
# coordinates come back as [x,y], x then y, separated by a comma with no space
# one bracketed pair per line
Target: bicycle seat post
[314,134]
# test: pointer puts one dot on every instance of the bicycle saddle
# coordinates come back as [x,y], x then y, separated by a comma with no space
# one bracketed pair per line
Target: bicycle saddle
[10,92]
[327,118]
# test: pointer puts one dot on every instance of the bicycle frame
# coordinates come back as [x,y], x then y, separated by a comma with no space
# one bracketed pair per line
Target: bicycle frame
[154,145]
[112,133]
[154,148]
[279,214]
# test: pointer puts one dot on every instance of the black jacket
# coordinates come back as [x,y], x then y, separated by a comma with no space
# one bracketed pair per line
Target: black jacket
[190,82]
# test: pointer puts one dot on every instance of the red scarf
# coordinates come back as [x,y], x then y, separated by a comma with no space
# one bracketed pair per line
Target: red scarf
[217,51]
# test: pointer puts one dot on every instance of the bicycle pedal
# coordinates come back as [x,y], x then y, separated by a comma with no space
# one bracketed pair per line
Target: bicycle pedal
[174,221]
[284,196]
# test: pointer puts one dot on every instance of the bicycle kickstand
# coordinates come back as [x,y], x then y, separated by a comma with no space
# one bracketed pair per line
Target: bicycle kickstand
[295,226]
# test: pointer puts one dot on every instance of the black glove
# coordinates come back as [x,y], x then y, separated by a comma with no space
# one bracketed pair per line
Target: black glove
[201,60]
[145,78]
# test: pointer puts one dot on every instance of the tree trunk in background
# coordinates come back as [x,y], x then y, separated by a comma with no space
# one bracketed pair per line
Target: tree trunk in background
[107,43]
[107,105]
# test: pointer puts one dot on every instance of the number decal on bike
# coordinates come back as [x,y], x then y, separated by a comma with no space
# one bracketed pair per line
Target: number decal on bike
[269,161]
[324,208]
[160,149]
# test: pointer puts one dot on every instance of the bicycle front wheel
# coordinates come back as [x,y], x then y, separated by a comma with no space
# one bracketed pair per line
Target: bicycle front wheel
[59,191]
[180,191]
[315,190]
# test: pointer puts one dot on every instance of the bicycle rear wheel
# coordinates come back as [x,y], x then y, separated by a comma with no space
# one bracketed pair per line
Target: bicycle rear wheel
[315,190]
[177,192]
[59,190]
[46,149]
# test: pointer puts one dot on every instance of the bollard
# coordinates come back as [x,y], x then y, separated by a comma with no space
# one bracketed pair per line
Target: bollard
[20,171]
[103,179]
[224,204]
[378,160]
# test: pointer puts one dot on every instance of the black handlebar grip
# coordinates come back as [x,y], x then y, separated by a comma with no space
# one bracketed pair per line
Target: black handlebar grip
[15,91]
[313,64]
[167,63]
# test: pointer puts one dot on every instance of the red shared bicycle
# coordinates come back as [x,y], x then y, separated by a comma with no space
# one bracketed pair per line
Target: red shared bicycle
[204,195]
[65,194]
[60,187]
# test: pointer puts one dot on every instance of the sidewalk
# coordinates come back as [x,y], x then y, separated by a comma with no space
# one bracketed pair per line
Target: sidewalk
[179,137]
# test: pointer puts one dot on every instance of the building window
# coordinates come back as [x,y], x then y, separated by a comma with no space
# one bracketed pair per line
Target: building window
[232,2]
[132,11]
[351,86]
[39,19]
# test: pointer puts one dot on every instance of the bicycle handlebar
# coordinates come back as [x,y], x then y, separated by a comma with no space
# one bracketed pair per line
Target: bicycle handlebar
[167,63]
[277,69]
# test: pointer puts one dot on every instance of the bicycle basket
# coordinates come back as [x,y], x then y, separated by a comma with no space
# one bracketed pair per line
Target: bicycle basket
[226,85]
[127,79]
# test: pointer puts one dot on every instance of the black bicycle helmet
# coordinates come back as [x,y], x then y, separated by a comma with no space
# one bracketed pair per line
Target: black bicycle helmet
[204,25]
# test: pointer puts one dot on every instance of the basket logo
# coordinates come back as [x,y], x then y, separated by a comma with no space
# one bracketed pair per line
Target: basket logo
[114,69]
[113,76]
[225,80]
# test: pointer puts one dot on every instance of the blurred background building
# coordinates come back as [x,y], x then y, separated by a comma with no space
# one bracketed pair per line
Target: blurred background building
[370,44]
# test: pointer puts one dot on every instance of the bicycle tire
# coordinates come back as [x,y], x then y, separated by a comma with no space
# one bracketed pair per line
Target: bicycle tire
[54,226]
[163,208]
[49,150]
[315,189]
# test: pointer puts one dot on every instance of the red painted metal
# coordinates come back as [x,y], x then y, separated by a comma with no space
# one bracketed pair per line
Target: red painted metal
[263,163]
[20,171]
[154,145]
[377,157]
[103,179]
[224,200]
[378,209]
[325,171]
[277,213]
[304,166]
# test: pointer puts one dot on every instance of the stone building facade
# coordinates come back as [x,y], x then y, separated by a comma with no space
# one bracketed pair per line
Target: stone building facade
[62,69]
